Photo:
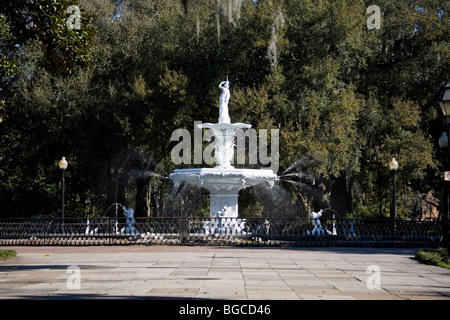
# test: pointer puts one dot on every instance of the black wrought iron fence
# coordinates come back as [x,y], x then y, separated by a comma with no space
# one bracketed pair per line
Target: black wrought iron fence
[205,231]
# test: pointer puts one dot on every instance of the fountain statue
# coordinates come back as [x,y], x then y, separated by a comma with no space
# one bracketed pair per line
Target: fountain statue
[316,223]
[224,99]
[224,181]
[130,221]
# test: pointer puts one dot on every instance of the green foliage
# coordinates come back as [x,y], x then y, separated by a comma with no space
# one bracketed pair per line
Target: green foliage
[109,95]
[45,20]
[7,65]
[369,211]
[436,257]
[7,254]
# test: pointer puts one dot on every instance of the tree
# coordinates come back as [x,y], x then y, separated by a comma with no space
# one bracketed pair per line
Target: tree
[47,21]
[345,98]
[41,99]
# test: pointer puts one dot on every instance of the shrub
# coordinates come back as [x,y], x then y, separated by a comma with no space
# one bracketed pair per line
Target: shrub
[7,254]
[436,257]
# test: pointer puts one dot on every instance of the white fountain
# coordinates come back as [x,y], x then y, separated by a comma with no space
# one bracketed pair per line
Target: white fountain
[224,181]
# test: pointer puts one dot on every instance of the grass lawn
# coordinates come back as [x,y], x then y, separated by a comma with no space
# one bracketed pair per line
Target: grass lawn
[436,257]
[7,254]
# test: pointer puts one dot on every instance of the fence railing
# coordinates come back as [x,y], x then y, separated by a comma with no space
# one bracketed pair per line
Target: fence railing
[205,231]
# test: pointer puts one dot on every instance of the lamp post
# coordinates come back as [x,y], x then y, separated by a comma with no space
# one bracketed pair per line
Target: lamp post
[63,166]
[443,144]
[444,103]
[393,166]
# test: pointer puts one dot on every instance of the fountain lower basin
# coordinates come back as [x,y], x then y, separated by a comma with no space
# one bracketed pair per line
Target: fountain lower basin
[224,185]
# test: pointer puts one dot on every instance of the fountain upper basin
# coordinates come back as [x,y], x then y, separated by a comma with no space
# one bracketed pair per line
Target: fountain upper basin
[215,179]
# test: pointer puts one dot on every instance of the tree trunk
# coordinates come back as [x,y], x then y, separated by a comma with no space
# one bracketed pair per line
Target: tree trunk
[341,196]
[143,196]
[111,192]
[218,21]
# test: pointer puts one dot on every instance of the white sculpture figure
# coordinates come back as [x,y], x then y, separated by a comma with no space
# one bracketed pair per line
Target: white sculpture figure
[316,223]
[88,230]
[334,233]
[116,227]
[222,212]
[214,226]
[87,227]
[130,221]
[206,226]
[241,226]
[224,99]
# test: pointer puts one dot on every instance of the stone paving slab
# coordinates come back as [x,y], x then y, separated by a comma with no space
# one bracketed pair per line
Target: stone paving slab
[220,273]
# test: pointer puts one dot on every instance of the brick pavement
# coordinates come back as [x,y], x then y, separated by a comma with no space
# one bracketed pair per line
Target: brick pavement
[220,273]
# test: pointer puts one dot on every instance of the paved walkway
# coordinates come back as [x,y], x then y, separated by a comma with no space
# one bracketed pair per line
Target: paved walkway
[220,273]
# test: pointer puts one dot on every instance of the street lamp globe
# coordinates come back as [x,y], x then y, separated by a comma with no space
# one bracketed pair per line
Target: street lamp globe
[443,141]
[63,163]
[393,165]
